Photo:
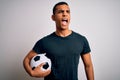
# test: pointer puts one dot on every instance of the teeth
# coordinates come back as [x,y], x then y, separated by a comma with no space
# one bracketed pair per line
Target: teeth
[65,20]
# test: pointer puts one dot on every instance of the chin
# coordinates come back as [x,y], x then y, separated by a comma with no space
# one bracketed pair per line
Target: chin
[64,27]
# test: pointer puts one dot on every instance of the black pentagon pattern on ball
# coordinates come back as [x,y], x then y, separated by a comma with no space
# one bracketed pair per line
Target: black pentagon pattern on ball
[46,65]
[37,58]
[33,68]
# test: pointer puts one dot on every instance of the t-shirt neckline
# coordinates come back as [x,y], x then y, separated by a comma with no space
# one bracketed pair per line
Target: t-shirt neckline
[65,36]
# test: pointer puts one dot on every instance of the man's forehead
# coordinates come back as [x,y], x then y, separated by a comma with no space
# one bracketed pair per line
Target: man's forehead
[62,7]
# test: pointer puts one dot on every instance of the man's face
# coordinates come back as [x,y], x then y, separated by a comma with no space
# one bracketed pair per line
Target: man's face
[62,17]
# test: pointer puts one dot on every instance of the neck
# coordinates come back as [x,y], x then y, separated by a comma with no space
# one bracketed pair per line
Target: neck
[63,33]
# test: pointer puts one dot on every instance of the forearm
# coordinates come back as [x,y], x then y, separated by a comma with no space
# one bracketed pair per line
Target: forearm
[89,72]
[26,62]
[27,66]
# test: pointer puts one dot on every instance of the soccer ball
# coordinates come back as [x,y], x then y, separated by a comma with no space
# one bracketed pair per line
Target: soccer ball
[39,59]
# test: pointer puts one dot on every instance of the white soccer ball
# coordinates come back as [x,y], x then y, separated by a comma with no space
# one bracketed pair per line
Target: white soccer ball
[39,59]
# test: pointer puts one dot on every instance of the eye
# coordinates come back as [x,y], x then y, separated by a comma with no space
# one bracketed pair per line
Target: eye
[68,11]
[60,11]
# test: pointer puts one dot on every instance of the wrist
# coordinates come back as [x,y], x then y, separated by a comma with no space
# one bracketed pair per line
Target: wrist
[31,73]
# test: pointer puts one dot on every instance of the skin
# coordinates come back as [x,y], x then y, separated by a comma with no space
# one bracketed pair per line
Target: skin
[88,66]
[62,12]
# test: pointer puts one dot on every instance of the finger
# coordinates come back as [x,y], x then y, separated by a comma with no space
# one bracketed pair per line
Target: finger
[42,64]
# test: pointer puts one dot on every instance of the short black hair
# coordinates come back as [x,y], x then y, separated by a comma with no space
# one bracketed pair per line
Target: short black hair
[59,3]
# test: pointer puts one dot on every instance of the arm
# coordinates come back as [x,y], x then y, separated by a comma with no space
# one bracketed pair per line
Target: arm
[88,66]
[36,72]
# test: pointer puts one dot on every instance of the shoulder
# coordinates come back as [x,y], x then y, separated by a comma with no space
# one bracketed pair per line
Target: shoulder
[47,37]
[78,35]
[84,41]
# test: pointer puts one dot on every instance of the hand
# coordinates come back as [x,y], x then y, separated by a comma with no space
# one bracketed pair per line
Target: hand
[37,72]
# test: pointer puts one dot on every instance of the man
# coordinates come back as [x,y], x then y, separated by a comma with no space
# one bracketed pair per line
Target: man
[64,47]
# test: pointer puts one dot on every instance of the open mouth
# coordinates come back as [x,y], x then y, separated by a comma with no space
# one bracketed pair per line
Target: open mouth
[64,21]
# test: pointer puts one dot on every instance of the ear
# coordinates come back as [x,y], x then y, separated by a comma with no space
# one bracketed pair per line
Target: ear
[53,17]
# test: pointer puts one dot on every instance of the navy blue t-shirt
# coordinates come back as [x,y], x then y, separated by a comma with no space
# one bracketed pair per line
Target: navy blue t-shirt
[64,53]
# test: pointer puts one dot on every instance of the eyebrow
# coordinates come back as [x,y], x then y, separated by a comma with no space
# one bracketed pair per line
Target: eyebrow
[62,10]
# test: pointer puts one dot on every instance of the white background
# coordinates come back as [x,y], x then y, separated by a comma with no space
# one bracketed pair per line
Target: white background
[23,22]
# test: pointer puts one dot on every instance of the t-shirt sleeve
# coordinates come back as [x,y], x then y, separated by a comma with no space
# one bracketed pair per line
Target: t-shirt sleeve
[38,47]
[86,47]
